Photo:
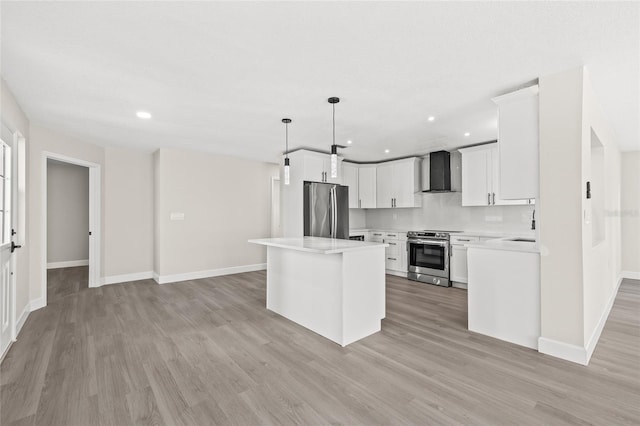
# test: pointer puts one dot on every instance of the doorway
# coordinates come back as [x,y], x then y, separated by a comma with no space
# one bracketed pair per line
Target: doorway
[67,229]
[70,226]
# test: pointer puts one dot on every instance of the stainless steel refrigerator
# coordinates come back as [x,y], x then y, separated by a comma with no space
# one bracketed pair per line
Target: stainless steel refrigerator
[326,210]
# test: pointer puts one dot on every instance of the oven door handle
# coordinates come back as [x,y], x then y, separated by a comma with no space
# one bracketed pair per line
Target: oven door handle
[441,243]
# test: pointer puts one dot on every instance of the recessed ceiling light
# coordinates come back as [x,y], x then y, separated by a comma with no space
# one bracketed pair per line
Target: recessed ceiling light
[349,142]
[431,118]
[143,114]
[467,134]
[386,151]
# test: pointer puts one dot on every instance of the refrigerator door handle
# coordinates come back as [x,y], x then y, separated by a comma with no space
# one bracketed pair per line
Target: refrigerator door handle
[334,212]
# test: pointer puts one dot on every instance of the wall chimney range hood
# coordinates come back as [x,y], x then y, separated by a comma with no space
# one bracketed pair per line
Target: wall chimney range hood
[439,172]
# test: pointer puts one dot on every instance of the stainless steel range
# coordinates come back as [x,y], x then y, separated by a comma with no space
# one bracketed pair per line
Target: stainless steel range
[428,257]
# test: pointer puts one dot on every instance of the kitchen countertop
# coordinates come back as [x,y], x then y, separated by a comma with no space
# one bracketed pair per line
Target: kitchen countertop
[496,234]
[317,244]
[506,244]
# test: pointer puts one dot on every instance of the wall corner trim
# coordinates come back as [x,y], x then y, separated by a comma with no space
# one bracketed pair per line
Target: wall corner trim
[566,351]
[174,278]
[123,278]
[632,275]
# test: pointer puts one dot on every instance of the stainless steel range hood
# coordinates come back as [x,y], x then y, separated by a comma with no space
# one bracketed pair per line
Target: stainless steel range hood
[439,172]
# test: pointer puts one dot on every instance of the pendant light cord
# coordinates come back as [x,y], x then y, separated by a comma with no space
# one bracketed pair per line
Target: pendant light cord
[334,123]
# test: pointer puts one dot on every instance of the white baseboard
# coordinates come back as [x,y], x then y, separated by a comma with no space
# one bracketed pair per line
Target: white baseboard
[396,273]
[595,336]
[37,304]
[68,264]
[166,279]
[22,318]
[577,353]
[124,278]
[566,351]
[632,275]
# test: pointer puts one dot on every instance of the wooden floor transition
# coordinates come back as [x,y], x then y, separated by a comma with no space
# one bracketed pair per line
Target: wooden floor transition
[208,352]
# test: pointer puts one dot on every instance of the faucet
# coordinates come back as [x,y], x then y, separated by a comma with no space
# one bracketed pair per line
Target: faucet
[533,220]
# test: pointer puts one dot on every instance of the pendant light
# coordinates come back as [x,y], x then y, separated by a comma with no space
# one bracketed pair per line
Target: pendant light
[334,148]
[286,122]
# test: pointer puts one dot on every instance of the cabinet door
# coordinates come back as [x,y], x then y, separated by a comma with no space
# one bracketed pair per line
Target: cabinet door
[495,181]
[403,184]
[313,168]
[384,184]
[518,140]
[392,255]
[458,264]
[376,236]
[476,177]
[350,179]
[367,187]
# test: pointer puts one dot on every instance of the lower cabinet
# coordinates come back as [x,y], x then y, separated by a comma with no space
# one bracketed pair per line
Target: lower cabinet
[458,274]
[396,253]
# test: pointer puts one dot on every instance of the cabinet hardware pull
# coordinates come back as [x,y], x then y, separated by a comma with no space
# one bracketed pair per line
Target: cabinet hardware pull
[494,197]
[392,244]
[460,239]
[488,199]
[391,258]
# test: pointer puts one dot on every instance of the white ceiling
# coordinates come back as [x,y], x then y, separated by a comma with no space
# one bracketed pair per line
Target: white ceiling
[220,76]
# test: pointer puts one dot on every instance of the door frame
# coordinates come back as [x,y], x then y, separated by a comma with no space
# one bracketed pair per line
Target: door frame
[95,187]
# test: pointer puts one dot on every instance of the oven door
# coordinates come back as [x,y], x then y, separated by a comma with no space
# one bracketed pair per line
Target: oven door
[430,257]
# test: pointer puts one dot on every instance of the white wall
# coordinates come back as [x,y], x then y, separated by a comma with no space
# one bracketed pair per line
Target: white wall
[128,208]
[444,211]
[67,212]
[15,120]
[578,279]
[225,202]
[630,212]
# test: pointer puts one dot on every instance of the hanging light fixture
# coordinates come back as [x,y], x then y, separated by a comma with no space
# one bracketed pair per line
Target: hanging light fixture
[334,148]
[286,122]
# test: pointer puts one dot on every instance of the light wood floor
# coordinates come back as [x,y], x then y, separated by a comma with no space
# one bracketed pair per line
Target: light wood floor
[208,352]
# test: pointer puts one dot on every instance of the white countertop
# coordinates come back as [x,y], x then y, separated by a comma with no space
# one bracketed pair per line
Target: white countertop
[506,244]
[317,244]
[496,234]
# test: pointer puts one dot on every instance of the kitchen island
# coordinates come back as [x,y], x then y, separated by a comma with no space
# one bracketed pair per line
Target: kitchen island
[333,287]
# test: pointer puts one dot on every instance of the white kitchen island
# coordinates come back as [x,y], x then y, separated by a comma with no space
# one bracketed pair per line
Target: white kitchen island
[333,287]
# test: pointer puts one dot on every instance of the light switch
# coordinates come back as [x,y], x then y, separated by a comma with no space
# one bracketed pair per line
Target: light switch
[177,216]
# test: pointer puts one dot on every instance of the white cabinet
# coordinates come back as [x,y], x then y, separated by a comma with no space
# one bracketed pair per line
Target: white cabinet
[481,177]
[458,274]
[361,180]
[518,143]
[396,253]
[367,186]
[398,184]
[350,179]
[376,236]
[317,167]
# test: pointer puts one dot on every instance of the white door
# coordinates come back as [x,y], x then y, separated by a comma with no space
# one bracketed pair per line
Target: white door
[314,170]
[6,287]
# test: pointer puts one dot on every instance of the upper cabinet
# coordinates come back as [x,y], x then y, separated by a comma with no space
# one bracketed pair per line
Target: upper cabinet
[398,184]
[481,177]
[367,183]
[361,180]
[350,179]
[317,167]
[518,143]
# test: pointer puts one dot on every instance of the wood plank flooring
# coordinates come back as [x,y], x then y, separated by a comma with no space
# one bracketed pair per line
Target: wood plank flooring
[208,352]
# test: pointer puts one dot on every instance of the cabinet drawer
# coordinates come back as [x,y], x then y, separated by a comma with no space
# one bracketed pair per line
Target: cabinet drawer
[392,235]
[461,239]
